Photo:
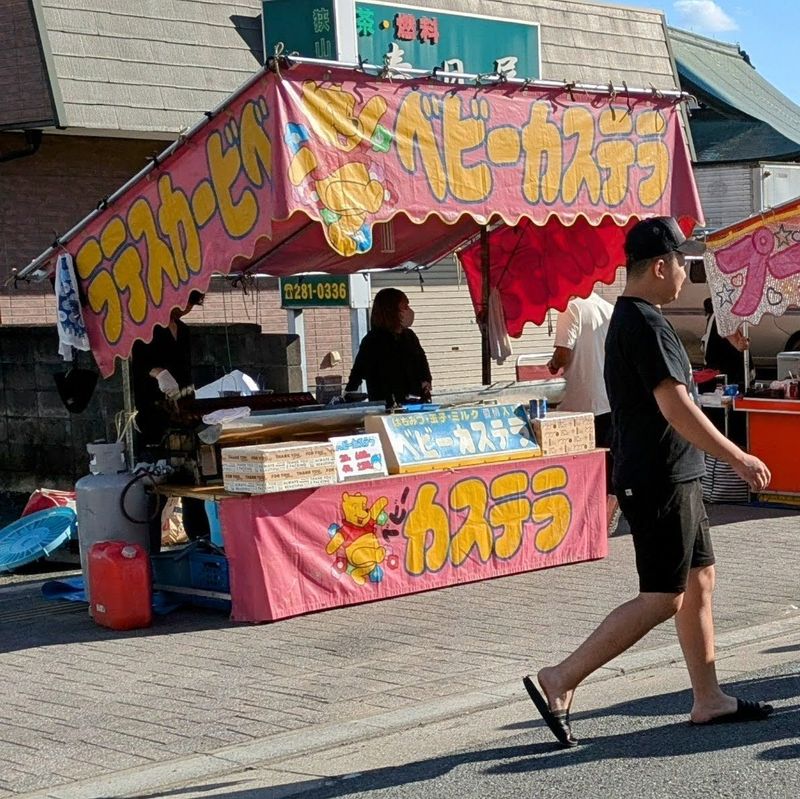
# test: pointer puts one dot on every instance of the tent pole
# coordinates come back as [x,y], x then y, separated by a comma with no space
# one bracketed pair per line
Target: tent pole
[746,356]
[127,398]
[486,358]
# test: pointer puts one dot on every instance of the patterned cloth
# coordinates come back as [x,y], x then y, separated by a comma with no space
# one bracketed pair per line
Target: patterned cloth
[71,329]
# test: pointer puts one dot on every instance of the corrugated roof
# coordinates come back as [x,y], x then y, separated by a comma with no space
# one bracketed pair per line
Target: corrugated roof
[721,74]
[154,66]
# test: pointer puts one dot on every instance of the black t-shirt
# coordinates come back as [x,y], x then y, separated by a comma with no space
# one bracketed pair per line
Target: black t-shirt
[642,350]
[393,364]
[165,351]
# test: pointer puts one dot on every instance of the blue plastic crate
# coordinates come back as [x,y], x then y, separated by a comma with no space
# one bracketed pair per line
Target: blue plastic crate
[209,572]
[193,576]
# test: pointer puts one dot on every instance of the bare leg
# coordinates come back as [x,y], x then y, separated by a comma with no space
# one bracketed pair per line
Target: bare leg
[695,625]
[620,630]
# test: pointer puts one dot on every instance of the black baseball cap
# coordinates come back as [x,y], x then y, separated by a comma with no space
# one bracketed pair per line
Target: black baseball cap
[659,236]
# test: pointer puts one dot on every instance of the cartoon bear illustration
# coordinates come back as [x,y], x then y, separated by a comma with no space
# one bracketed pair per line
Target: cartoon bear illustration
[357,537]
[349,194]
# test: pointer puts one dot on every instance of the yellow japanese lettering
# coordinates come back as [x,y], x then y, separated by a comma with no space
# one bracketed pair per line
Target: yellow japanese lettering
[113,236]
[256,147]
[470,495]
[89,257]
[463,134]
[128,276]
[553,508]
[103,295]
[426,520]
[652,154]
[204,203]
[541,141]
[238,216]
[176,220]
[511,511]
[332,112]
[159,259]
[503,145]
[617,155]
[415,136]
[582,170]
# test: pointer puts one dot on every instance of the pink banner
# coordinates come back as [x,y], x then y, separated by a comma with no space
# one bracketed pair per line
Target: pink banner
[341,545]
[307,170]
[753,267]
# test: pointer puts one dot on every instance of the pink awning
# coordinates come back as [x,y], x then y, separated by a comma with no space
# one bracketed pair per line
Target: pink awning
[752,267]
[318,169]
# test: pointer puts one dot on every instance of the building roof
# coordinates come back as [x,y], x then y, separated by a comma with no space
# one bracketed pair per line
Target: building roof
[154,66]
[749,119]
[149,66]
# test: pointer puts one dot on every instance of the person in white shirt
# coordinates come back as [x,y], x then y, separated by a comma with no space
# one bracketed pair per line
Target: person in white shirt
[580,352]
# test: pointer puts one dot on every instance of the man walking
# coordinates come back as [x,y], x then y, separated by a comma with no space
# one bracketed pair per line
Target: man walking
[580,351]
[658,435]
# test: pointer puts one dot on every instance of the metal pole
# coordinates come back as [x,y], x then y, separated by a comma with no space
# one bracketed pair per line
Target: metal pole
[483,321]
[297,326]
[127,400]
[746,356]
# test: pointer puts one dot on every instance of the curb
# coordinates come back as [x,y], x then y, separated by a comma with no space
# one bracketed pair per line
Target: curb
[277,748]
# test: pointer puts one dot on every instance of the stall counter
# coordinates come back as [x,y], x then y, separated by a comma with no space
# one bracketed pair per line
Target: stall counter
[299,551]
[773,435]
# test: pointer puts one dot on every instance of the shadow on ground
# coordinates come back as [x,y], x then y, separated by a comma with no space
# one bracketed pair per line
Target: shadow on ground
[778,734]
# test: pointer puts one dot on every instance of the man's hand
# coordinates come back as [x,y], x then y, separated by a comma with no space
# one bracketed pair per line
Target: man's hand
[740,341]
[562,358]
[168,384]
[681,412]
[753,471]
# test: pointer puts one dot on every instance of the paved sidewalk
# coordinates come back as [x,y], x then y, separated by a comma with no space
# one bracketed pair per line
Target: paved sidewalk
[82,701]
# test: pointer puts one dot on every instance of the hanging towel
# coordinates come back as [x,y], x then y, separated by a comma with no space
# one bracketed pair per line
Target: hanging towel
[499,342]
[71,329]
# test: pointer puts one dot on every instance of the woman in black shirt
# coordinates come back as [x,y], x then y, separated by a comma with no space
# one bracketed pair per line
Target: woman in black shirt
[390,357]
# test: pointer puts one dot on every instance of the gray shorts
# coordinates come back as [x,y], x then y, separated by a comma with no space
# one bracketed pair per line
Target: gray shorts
[669,526]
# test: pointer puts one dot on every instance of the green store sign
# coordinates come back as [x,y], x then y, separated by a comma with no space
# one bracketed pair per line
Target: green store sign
[400,36]
[305,26]
[315,291]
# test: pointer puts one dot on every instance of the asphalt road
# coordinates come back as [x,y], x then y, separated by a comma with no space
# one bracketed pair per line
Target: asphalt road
[638,746]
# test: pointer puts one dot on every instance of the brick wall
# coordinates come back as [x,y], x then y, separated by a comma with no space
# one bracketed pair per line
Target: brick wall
[26,91]
[42,444]
[326,329]
[47,193]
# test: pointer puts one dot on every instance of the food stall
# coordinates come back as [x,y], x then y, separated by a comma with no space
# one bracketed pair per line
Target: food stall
[752,268]
[317,167]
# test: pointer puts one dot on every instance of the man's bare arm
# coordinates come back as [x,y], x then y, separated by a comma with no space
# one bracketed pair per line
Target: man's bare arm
[562,358]
[687,419]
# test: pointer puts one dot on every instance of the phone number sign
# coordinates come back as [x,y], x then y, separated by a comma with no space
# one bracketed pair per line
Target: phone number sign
[315,291]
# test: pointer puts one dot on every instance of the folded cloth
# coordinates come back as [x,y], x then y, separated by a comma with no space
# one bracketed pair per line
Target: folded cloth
[69,317]
[226,415]
[499,342]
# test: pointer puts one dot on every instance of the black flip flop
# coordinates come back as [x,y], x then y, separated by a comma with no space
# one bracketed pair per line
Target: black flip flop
[745,711]
[556,720]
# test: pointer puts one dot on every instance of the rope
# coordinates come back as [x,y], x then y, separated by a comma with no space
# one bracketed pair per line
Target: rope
[123,422]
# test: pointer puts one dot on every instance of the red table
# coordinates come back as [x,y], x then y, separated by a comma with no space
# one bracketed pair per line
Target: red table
[773,434]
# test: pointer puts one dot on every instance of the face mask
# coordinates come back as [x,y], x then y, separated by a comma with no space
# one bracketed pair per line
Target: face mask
[407,317]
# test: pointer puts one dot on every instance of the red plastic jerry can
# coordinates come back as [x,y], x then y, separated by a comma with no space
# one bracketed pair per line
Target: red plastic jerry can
[120,585]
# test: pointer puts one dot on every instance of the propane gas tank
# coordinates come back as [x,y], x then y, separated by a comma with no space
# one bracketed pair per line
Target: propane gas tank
[98,501]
